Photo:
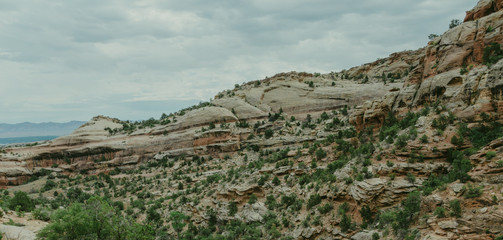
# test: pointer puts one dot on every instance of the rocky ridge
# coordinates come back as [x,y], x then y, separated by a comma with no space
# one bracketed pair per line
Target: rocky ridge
[281,115]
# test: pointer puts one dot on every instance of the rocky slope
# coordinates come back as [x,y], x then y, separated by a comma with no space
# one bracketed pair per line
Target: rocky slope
[299,146]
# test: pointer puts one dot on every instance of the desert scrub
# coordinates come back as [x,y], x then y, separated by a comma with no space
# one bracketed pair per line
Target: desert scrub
[490,155]
[473,192]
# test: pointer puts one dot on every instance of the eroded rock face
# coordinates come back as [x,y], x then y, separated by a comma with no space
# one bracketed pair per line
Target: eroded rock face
[253,212]
[92,131]
[367,190]
[483,8]
[204,116]
[404,81]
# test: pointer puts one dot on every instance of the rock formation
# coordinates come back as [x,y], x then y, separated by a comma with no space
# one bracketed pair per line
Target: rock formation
[285,128]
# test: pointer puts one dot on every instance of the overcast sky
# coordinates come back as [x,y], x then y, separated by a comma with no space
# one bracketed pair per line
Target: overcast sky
[66,60]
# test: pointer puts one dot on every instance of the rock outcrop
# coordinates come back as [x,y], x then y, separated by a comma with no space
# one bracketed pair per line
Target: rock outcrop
[297,137]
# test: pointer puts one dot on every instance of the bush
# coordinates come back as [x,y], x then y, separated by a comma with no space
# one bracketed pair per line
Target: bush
[411,178]
[345,223]
[460,166]
[410,207]
[325,208]
[401,141]
[253,199]
[344,110]
[314,200]
[424,139]
[367,214]
[324,116]
[454,23]
[412,204]
[343,208]
[178,221]
[455,208]
[22,200]
[94,220]
[320,154]
[233,208]
[440,212]
[457,141]
[270,202]
[268,133]
[276,181]
[41,215]
[433,182]
[490,155]
[492,54]
[483,133]
[473,192]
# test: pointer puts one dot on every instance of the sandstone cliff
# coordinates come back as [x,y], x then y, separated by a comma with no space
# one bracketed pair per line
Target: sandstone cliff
[327,139]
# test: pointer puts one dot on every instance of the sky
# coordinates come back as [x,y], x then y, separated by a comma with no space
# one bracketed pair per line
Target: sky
[66,60]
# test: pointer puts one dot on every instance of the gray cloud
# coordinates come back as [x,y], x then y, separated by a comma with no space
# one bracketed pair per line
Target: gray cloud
[71,60]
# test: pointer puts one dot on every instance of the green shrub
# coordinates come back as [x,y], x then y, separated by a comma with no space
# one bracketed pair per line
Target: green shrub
[268,133]
[433,182]
[401,141]
[343,208]
[324,116]
[473,192]
[22,200]
[424,139]
[367,214]
[483,133]
[454,23]
[359,177]
[344,110]
[411,178]
[252,199]
[49,185]
[325,208]
[233,208]
[94,220]
[440,212]
[270,202]
[410,208]
[490,155]
[314,200]
[320,154]
[367,162]
[276,181]
[460,166]
[389,164]
[345,223]
[455,208]
[463,70]
[457,141]
[41,215]
[178,221]
[492,54]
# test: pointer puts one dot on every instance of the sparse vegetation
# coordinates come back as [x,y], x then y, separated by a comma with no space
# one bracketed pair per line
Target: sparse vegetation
[270,175]
[492,54]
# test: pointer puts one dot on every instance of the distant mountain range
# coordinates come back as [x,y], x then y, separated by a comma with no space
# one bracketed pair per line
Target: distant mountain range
[28,129]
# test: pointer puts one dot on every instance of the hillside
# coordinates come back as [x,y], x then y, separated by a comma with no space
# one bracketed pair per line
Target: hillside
[406,147]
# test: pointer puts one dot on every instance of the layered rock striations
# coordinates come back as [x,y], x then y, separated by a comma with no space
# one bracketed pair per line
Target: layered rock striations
[291,116]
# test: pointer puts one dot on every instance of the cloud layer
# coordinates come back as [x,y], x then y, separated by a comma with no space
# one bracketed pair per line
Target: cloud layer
[71,60]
